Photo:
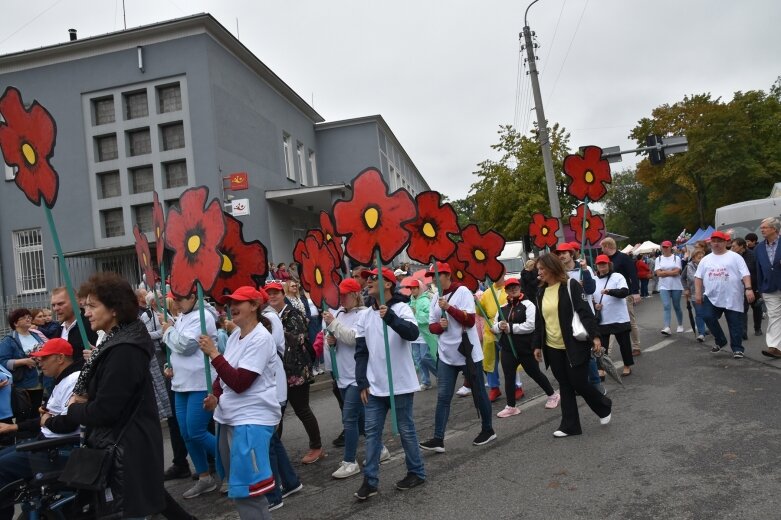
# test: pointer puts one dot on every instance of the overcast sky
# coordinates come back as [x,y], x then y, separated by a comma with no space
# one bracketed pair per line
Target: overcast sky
[444,73]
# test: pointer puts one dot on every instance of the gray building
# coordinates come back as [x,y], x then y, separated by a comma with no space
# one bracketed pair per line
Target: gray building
[165,107]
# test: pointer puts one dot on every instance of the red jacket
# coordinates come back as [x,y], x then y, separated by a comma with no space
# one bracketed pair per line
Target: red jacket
[643,271]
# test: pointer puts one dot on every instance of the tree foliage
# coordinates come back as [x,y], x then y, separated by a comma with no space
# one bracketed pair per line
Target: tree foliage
[627,210]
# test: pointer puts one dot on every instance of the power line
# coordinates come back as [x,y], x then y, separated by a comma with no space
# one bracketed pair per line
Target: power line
[518,87]
[31,21]
[555,30]
[569,48]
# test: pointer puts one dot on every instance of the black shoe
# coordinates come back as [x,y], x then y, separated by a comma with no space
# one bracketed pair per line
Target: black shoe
[365,491]
[434,444]
[175,472]
[745,336]
[339,441]
[484,438]
[758,332]
[409,482]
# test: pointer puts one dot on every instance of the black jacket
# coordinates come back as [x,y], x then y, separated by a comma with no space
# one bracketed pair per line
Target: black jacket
[623,264]
[515,312]
[59,424]
[529,282]
[578,352]
[74,338]
[120,380]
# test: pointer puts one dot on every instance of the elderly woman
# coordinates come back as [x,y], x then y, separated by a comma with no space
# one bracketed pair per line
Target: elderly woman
[15,351]
[609,301]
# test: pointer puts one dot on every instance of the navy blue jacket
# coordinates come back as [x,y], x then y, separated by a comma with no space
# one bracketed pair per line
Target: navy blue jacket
[624,265]
[768,275]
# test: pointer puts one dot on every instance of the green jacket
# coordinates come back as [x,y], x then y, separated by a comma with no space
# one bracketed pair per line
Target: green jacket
[421,307]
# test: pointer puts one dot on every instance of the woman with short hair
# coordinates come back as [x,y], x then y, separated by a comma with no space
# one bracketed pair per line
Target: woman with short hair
[610,304]
[15,351]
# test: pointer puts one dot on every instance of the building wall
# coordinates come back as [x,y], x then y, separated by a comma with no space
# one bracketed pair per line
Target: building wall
[345,151]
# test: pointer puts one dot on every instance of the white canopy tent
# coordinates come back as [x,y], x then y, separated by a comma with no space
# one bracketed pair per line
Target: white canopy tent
[628,249]
[646,247]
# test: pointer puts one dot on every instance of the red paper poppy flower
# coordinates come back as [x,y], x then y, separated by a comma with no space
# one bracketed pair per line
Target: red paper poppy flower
[429,232]
[144,257]
[320,273]
[480,252]
[595,226]
[373,220]
[243,263]
[159,223]
[194,232]
[27,139]
[460,274]
[589,174]
[543,230]
[332,240]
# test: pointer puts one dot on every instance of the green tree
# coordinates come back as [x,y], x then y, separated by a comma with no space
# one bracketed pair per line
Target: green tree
[627,210]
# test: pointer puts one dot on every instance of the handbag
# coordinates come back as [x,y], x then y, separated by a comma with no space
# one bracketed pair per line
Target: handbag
[598,313]
[579,332]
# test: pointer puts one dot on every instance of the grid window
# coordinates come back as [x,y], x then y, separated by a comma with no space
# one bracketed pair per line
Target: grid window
[301,162]
[108,185]
[113,225]
[313,167]
[173,136]
[144,218]
[104,110]
[140,142]
[28,261]
[287,150]
[175,174]
[169,98]
[107,147]
[142,179]
[136,105]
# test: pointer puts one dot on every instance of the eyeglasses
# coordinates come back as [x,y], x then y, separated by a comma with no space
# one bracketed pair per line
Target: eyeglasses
[373,277]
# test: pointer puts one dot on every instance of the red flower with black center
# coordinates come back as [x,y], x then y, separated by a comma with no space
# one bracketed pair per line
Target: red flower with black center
[194,232]
[429,232]
[144,257]
[373,220]
[460,274]
[480,252]
[543,230]
[319,270]
[589,174]
[158,217]
[332,240]
[243,263]
[595,226]
[27,138]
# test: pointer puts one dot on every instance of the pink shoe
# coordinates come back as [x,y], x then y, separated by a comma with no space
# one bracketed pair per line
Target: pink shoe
[553,401]
[508,411]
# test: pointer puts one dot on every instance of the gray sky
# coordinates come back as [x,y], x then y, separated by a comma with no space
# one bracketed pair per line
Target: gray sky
[444,73]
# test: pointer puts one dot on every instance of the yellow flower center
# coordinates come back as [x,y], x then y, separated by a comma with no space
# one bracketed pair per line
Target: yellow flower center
[372,217]
[328,237]
[157,232]
[193,243]
[227,265]
[318,276]
[429,230]
[143,259]
[460,275]
[589,177]
[479,255]
[545,231]
[29,154]
[587,224]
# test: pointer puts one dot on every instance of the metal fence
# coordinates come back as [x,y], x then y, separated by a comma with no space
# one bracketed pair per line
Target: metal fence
[40,300]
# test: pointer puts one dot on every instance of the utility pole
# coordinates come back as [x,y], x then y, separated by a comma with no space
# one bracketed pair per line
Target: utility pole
[542,126]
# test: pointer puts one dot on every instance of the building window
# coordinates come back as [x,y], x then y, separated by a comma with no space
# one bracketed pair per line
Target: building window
[143,217]
[28,260]
[301,162]
[113,224]
[313,167]
[104,110]
[106,147]
[173,136]
[287,150]
[142,180]
[108,185]
[136,105]
[139,142]
[175,174]
[169,98]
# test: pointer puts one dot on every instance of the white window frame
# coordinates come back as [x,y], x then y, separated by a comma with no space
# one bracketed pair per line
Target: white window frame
[313,167]
[287,151]
[301,163]
[26,258]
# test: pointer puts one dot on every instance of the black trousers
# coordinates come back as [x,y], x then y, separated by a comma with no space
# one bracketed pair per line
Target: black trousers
[298,399]
[571,380]
[624,341]
[526,360]
[757,310]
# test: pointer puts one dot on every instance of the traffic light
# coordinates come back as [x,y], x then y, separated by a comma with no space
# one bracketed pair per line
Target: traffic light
[656,156]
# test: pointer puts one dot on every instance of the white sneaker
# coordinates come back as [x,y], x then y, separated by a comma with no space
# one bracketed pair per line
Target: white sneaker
[425,387]
[679,329]
[605,420]
[666,331]
[346,469]
[463,391]
[700,338]
[202,485]
[384,455]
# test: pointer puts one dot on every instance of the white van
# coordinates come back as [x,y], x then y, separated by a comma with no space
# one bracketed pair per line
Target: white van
[744,217]
[513,257]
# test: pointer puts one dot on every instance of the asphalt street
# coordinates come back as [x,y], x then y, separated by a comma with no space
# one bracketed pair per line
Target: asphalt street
[694,435]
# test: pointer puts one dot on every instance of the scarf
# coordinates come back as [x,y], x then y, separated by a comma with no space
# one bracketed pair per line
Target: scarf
[87,369]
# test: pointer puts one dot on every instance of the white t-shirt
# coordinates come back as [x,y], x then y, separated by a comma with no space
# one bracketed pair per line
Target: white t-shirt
[614,310]
[345,354]
[369,326]
[669,283]
[574,274]
[722,279]
[450,340]
[58,401]
[190,369]
[258,404]
[278,333]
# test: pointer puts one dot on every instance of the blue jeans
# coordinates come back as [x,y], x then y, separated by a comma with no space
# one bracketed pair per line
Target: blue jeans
[673,297]
[446,386]
[699,321]
[423,362]
[284,475]
[711,313]
[353,420]
[644,287]
[376,412]
[193,420]
[492,378]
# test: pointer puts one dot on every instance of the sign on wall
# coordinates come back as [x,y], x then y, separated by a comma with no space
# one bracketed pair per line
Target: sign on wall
[239,181]
[239,207]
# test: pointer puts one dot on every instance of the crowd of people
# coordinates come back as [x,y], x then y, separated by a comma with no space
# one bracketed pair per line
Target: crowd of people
[221,379]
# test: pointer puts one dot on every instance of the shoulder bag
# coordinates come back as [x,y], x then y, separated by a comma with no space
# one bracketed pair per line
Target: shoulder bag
[579,332]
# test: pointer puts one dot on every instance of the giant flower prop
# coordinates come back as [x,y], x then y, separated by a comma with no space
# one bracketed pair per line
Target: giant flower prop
[460,273]
[589,174]
[300,247]
[243,263]
[319,273]
[27,138]
[158,218]
[429,232]
[373,220]
[144,257]
[480,252]
[595,225]
[543,230]
[332,240]
[194,232]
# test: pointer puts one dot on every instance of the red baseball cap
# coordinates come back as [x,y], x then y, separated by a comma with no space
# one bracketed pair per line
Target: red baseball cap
[273,286]
[602,259]
[410,282]
[247,293]
[575,246]
[54,346]
[565,246]
[349,285]
[667,243]
[721,235]
[442,267]
[386,273]
[511,281]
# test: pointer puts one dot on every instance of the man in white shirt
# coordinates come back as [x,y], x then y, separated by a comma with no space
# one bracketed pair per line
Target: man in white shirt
[721,280]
